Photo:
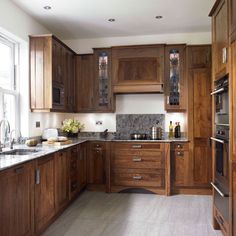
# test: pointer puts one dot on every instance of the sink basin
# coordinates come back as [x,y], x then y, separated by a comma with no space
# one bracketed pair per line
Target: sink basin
[20,152]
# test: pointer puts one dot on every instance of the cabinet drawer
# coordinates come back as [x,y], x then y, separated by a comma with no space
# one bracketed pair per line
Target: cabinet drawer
[180,146]
[138,178]
[139,161]
[138,146]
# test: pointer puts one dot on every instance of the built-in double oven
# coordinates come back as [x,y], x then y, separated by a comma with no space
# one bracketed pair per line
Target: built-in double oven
[220,181]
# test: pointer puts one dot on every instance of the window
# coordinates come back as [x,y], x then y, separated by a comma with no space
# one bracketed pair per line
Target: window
[8,88]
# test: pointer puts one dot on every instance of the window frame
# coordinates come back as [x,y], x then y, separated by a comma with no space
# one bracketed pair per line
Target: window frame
[14,91]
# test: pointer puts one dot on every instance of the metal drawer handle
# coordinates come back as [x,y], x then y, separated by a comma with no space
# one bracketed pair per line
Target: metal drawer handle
[218,91]
[137,146]
[137,177]
[219,191]
[37,177]
[179,146]
[137,159]
[218,140]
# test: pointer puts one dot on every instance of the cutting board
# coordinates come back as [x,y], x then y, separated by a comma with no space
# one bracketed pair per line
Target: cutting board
[57,143]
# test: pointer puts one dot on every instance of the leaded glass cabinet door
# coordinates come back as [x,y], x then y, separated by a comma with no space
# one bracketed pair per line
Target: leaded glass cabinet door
[103,91]
[175,83]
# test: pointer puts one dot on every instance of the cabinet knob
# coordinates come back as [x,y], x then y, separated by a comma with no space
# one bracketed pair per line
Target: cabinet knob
[179,153]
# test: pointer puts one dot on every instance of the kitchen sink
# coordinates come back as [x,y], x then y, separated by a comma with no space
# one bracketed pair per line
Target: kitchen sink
[20,152]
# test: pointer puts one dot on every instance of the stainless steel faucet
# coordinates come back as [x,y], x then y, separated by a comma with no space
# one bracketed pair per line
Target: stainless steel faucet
[12,140]
[6,133]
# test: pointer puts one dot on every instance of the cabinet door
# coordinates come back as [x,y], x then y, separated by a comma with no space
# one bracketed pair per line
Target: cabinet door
[232,9]
[70,84]
[104,99]
[84,83]
[199,56]
[16,201]
[73,169]
[61,179]
[181,165]
[57,62]
[96,166]
[137,68]
[202,128]
[220,40]
[175,82]
[44,192]
[82,166]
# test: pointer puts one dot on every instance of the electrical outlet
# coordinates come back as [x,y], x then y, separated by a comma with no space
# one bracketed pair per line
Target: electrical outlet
[37,124]
[98,122]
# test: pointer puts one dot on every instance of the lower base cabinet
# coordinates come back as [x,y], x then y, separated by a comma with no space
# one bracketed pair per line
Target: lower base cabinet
[139,165]
[45,207]
[17,201]
[96,166]
[61,180]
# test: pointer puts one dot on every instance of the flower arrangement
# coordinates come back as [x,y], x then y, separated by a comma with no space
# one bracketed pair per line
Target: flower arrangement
[71,126]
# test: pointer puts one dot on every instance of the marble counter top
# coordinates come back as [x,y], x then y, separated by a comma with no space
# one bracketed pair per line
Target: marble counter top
[7,161]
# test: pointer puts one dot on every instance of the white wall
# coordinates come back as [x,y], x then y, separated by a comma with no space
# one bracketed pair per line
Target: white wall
[17,25]
[86,45]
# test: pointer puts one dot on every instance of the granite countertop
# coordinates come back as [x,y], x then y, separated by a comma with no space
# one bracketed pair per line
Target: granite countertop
[7,161]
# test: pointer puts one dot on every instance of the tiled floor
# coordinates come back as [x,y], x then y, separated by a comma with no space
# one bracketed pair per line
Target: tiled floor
[95,213]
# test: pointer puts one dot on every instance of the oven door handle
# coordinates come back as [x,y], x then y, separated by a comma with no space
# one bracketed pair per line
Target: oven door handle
[218,140]
[218,91]
[219,191]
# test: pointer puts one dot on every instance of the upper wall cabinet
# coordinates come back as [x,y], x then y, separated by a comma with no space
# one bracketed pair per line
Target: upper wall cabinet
[93,82]
[138,69]
[220,35]
[232,16]
[104,98]
[84,83]
[51,75]
[175,82]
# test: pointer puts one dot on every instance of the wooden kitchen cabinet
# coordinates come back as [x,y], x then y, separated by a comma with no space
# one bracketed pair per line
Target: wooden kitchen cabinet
[104,98]
[220,39]
[175,78]
[45,189]
[85,99]
[138,69]
[17,201]
[181,165]
[139,165]
[82,178]
[61,180]
[51,74]
[96,166]
[232,20]
[199,115]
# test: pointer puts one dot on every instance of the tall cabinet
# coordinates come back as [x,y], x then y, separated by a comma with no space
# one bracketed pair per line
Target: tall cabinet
[200,114]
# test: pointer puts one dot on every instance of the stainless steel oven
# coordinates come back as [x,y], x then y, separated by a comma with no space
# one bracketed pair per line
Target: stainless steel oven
[220,182]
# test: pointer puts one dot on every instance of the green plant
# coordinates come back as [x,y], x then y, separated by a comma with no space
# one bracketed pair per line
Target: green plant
[72,126]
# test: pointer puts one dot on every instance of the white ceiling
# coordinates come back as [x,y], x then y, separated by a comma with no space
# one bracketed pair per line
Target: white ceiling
[70,19]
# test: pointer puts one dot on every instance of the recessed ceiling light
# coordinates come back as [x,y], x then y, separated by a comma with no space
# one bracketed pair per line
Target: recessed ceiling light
[111,20]
[47,7]
[159,17]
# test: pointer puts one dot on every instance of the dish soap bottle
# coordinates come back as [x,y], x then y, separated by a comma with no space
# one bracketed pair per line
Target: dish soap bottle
[171,130]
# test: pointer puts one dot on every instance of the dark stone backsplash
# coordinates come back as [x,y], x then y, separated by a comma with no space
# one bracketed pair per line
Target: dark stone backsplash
[137,123]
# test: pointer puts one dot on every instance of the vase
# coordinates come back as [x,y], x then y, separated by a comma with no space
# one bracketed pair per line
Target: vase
[72,135]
